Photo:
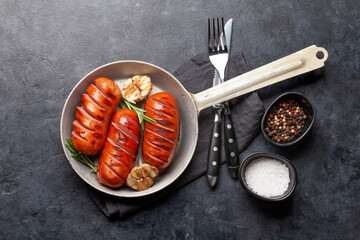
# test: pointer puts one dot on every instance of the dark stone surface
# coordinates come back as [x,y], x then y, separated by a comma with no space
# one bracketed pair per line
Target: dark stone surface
[46,47]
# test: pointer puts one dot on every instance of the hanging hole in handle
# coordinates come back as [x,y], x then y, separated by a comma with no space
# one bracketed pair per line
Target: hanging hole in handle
[320,55]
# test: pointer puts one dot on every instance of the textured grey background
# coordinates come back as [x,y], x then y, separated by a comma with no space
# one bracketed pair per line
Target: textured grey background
[46,47]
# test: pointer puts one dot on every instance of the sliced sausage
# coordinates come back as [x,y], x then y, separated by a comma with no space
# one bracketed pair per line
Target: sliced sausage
[93,116]
[121,146]
[161,138]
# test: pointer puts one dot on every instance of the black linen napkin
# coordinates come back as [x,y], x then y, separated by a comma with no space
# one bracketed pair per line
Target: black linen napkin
[196,75]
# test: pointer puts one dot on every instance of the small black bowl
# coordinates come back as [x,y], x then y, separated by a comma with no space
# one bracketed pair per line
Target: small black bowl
[309,121]
[255,156]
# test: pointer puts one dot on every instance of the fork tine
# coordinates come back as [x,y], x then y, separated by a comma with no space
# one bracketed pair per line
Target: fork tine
[223,42]
[218,34]
[222,27]
[214,35]
[209,36]
[222,34]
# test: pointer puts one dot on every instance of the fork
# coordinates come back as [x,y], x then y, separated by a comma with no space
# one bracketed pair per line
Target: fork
[218,51]
[218,55]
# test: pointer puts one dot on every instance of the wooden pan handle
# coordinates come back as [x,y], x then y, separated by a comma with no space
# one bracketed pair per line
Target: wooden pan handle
[300,62]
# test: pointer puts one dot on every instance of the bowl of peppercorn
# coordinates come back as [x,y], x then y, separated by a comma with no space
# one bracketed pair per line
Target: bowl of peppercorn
[288,119]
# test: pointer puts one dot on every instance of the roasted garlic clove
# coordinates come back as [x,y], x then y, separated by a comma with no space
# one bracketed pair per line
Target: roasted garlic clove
[136,88]
[141,177]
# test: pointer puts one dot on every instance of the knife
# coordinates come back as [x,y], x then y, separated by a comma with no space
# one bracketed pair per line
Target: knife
[214,156]
[231,145]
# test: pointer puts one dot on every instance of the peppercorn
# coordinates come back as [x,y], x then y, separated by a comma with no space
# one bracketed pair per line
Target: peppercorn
[285,121]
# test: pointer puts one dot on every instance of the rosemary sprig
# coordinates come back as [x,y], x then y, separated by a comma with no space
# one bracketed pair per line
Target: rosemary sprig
[139,112]
[79,156]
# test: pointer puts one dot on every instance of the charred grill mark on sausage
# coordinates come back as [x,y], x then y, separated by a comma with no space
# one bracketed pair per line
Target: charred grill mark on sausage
[89,113]
[112,170]
[133,122]
[96,102]
[161,136]
[102,91]
[79,124]
[161,112]
[82,111]
[120,147]
[164,127]
[124,130]
[155,157]
[156,146]
[117,159]
[164,122]
[162,103]
[93,101]
[76,133]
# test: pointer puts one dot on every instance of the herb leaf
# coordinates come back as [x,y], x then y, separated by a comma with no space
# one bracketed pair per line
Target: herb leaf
[139,112]
[79,156]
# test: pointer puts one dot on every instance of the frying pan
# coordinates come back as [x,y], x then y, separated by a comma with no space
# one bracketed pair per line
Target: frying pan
[189,105]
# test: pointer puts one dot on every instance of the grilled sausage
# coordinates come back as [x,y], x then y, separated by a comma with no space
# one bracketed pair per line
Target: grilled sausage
[161,138]
[93,116]
[121,146]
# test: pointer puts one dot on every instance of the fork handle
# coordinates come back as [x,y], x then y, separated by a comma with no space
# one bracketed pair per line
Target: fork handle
[214,157]
[231,145]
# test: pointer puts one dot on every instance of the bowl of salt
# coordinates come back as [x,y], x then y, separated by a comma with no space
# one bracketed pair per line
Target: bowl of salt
[268,176]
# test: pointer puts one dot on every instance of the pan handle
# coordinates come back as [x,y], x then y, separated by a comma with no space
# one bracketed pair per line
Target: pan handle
[300,62]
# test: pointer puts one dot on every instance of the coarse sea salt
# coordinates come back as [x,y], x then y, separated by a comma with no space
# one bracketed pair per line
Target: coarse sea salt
[267,177]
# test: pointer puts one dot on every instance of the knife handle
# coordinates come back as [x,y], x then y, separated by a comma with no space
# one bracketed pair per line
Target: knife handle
[214,157]
[231,145]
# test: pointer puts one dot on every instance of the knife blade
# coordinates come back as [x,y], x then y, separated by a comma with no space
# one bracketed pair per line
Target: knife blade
[214,156]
